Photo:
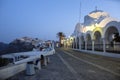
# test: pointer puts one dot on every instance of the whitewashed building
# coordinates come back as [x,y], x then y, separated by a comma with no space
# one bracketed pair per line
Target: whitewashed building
[96,33]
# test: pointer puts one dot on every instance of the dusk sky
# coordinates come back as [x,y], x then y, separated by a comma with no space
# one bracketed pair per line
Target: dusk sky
[44,18]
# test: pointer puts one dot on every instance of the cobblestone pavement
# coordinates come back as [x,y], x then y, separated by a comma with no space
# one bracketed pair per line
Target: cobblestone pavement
[67,64]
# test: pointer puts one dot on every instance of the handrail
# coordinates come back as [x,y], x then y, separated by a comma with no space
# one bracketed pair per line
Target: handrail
[31,56]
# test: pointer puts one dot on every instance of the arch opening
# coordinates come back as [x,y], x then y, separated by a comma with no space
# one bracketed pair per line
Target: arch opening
[109,34]
[111,46]
[98,43]
[82,42]
[89,42]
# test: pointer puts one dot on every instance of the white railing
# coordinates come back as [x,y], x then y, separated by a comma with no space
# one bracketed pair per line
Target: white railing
[31,56]
[11,70]
[20,63]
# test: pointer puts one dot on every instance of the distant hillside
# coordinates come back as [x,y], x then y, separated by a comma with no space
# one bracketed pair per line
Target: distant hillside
[3,46]
[19,45]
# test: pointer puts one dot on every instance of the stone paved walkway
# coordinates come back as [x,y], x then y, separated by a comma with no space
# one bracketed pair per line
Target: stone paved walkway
[55,70]
[73,65]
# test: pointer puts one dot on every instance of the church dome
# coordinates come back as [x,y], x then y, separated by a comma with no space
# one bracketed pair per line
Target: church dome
[77,28]
[95,16]
[98,13]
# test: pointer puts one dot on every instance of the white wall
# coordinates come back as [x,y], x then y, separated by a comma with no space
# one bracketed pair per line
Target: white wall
[11,70]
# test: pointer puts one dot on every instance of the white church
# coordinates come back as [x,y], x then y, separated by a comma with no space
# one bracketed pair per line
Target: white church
[96,33]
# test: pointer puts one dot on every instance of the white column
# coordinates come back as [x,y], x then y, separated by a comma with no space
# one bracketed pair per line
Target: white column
[76,43]
[64,44]
[93,42]
[104,47]
[79,43]
[85,44]
[73,44]
[53,45]
[114,45]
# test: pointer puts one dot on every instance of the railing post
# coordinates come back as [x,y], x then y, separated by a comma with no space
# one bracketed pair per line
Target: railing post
[43,60]
[30,68]
[38,64]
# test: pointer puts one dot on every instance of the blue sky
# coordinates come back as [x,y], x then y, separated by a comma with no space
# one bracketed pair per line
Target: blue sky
[44,18]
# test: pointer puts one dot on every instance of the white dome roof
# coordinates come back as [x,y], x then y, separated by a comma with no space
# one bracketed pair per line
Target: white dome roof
[98,13]
[95,17]
[77,28]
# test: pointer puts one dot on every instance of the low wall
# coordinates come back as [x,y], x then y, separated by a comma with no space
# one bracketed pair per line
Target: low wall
[100,53]
[11,70]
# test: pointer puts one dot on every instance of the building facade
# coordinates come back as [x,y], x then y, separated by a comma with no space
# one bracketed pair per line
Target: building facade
[96,33]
